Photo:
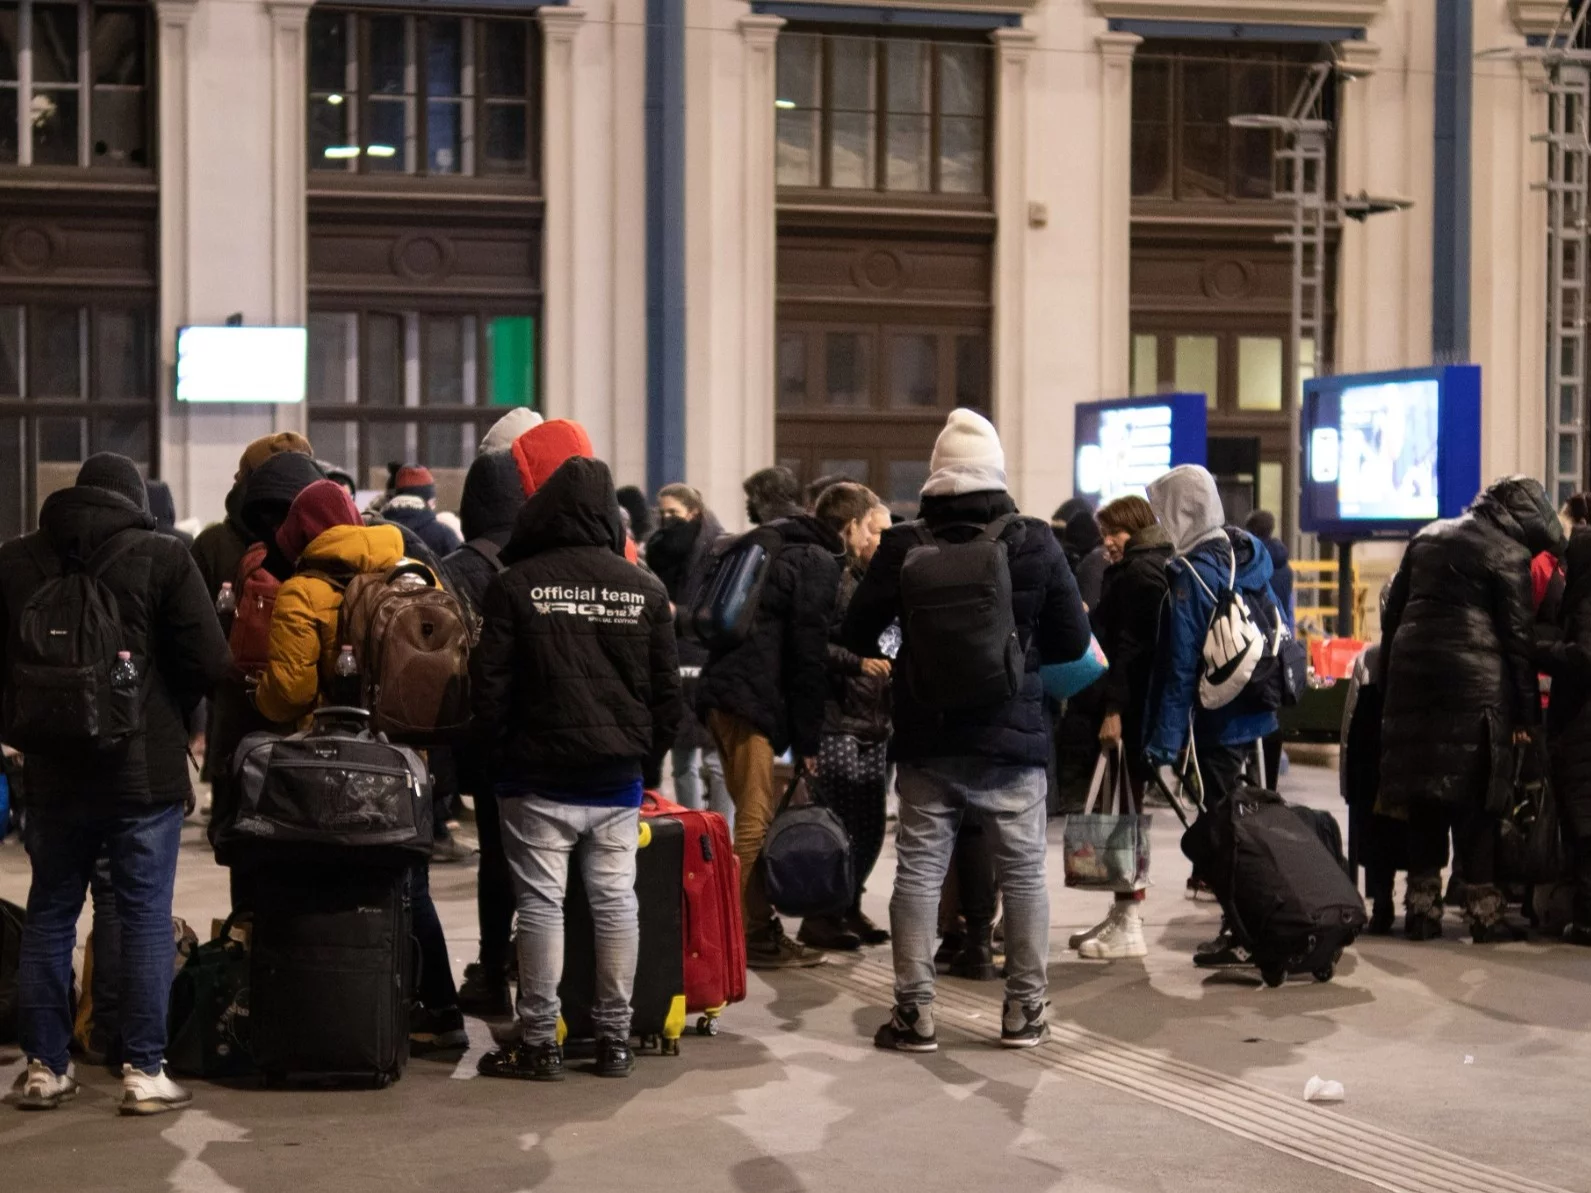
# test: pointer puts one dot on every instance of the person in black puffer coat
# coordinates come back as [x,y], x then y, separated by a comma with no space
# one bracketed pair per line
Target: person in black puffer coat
[492,500]
[766,694]
[677,552]
[1458,649]
[1569,727]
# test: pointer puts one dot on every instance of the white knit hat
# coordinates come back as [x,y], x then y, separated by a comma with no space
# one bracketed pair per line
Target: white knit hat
[967,457]
[507,429]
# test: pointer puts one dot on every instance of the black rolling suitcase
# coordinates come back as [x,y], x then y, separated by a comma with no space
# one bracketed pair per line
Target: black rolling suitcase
[659,997]
[1285,893]
[330,974]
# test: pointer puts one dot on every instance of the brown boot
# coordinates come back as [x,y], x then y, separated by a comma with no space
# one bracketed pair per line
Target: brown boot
[1422,907]
[1487,909]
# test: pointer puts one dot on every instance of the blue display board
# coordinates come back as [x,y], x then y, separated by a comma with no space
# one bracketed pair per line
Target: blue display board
[1123,444]
[1387,453]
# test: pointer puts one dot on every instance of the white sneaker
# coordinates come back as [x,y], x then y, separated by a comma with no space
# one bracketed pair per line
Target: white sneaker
[37,1088]
[1079,938]
[151,1093]
[1122,938]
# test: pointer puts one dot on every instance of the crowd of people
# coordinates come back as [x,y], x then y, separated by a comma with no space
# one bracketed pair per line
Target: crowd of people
[883,654]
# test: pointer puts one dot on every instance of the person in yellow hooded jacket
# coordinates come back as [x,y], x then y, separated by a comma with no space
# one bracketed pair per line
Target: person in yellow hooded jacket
[324,536]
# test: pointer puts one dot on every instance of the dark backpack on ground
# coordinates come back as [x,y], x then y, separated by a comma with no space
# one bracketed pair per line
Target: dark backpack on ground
[58,696]
[208,1018]
[12,918]
[725,609]
[1285,893]
[961,648]
[806,858]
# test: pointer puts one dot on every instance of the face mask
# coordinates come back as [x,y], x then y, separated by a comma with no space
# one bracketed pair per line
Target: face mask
[667,520]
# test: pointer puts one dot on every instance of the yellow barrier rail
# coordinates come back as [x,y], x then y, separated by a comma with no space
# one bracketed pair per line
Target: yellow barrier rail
[1318,579]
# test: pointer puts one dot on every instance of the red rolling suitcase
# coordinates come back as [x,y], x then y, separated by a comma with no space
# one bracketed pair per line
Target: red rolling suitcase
[714,938]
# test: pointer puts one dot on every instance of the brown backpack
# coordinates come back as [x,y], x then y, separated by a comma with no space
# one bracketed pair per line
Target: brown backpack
[412,641]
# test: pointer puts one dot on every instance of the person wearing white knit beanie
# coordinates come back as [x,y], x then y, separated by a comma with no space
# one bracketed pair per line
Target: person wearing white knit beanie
[505,430]
[967,457]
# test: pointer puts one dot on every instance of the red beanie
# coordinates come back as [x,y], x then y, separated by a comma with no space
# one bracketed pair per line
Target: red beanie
[316,509]
[540,450]
[412,476]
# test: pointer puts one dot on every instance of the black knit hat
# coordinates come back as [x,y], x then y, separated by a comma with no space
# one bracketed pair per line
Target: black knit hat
[118,474]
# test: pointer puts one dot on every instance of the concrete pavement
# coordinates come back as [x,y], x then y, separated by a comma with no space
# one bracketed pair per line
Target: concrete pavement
[1465,1069]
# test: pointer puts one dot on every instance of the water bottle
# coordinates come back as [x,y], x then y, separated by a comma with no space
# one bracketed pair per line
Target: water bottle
[226,603]
[124,675]
[345,685]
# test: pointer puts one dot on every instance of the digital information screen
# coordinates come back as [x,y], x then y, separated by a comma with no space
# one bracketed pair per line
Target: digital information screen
[241,364]
[1123,445]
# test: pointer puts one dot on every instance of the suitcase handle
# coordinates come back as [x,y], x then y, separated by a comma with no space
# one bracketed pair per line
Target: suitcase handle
[325,717]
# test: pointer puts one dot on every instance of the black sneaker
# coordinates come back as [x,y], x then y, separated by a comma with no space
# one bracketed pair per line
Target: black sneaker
[436,1030]
[1023,1026]
[1224,952]
[772,949]
[1381,918]
[524,1062]
[910,1029]
[484,993]
[869,933]
[1579,934]
[614,1058]
[828,933]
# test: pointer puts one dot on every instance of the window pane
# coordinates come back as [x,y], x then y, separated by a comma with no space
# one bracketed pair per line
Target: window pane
[853,66]
[444,57]
[1151,89]
[1145,366]
[390,443]
[55,128]
[118,46]
[1198,369]
[444,136]
[904,489]
[1271,487]
[331,143]
[1253,87]
[336,441]
[1204,168]
[972,372]
[1259,373]
[907,168]
[123,351]
[8,54]
[1151,160]
[963,90]
[443,362]
[907,75]
[448,445]
[328,51]
[389,135]
[511,346]
[792,370]
[505,137]
[126,435]
[55,352]
[505,58]
[8,125]
[120,128]
[331,350]
[851,150]
[1253,164]
[10,354]
[383,360]
[61,442]
[914,371]
[851,468]
[798,71]
[13,467]
[799,164]
[55,43]
[1205,94]
[389,55]
[848,368]
[961,150]
[1306,365]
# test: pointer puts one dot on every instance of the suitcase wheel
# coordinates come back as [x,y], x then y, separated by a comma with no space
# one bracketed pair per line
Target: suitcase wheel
[668,1046]
[1273,976]
[707,1025]
[1325,973]
[382,1080]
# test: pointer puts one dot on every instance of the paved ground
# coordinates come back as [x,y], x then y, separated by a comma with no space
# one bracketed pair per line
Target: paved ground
[1465,1069]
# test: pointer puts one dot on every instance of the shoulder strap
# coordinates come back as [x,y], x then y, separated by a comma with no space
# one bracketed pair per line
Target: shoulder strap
[488,551]
[111,550]
[993,531]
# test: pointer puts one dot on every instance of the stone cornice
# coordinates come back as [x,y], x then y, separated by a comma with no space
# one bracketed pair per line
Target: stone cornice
[1247,12]
[1535,18]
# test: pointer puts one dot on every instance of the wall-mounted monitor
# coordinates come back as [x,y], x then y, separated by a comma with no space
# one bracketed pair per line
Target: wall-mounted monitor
[1125,443]
[241,364]
[1386,453]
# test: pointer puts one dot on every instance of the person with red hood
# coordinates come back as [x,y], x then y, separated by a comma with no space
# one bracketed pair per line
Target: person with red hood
[541,451]
[325,536]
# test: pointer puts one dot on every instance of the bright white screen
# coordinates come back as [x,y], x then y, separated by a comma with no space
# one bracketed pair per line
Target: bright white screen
[1133,448]
[241,364]
[1387,466]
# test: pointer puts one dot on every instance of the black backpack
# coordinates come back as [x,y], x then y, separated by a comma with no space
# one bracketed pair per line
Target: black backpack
[961,648]
[58,696]
[725,606]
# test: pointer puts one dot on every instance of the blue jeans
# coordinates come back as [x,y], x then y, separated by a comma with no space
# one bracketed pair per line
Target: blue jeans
[143,868]
[1011,803]
[539,837]
[689,767]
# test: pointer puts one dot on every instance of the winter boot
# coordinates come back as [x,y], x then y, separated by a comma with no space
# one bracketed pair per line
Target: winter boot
[1422,907]
[1487,910]
[976,959]
[1122,938]
[1078,939]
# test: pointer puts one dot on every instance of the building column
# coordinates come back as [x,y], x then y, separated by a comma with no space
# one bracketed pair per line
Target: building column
[289,208]
[175,56]
[759,255]
[1013,50]
[1115,207]
[559,25]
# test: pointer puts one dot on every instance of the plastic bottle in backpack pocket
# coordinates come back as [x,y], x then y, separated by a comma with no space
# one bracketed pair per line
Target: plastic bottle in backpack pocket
[124,675]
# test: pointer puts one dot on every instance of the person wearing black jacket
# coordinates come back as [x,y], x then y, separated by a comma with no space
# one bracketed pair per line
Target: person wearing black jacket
[1459,654]
[1126,621]
[130,800]
[767,694]
[576,698]
[991,757]
[492,500]
[1568,661]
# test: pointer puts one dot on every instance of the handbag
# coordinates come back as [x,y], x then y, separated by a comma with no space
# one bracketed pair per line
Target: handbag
[806,861]
[1530,846]
[1062,681]
[1107,850]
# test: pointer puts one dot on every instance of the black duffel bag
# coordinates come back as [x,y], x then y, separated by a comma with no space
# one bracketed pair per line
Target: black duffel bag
[333,790]
[1530,845]
[806,857]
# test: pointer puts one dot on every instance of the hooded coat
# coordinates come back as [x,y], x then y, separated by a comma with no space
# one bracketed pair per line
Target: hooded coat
[1127,623]
[575,683]
[163,508]
[1189,507]
[678,556]
[491,502]
[218,549]
[1457,648]
[1569,714]
[172,633]
[1050,622]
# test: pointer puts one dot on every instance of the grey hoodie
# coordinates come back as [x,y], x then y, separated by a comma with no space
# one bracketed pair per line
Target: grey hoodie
[1188,505]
